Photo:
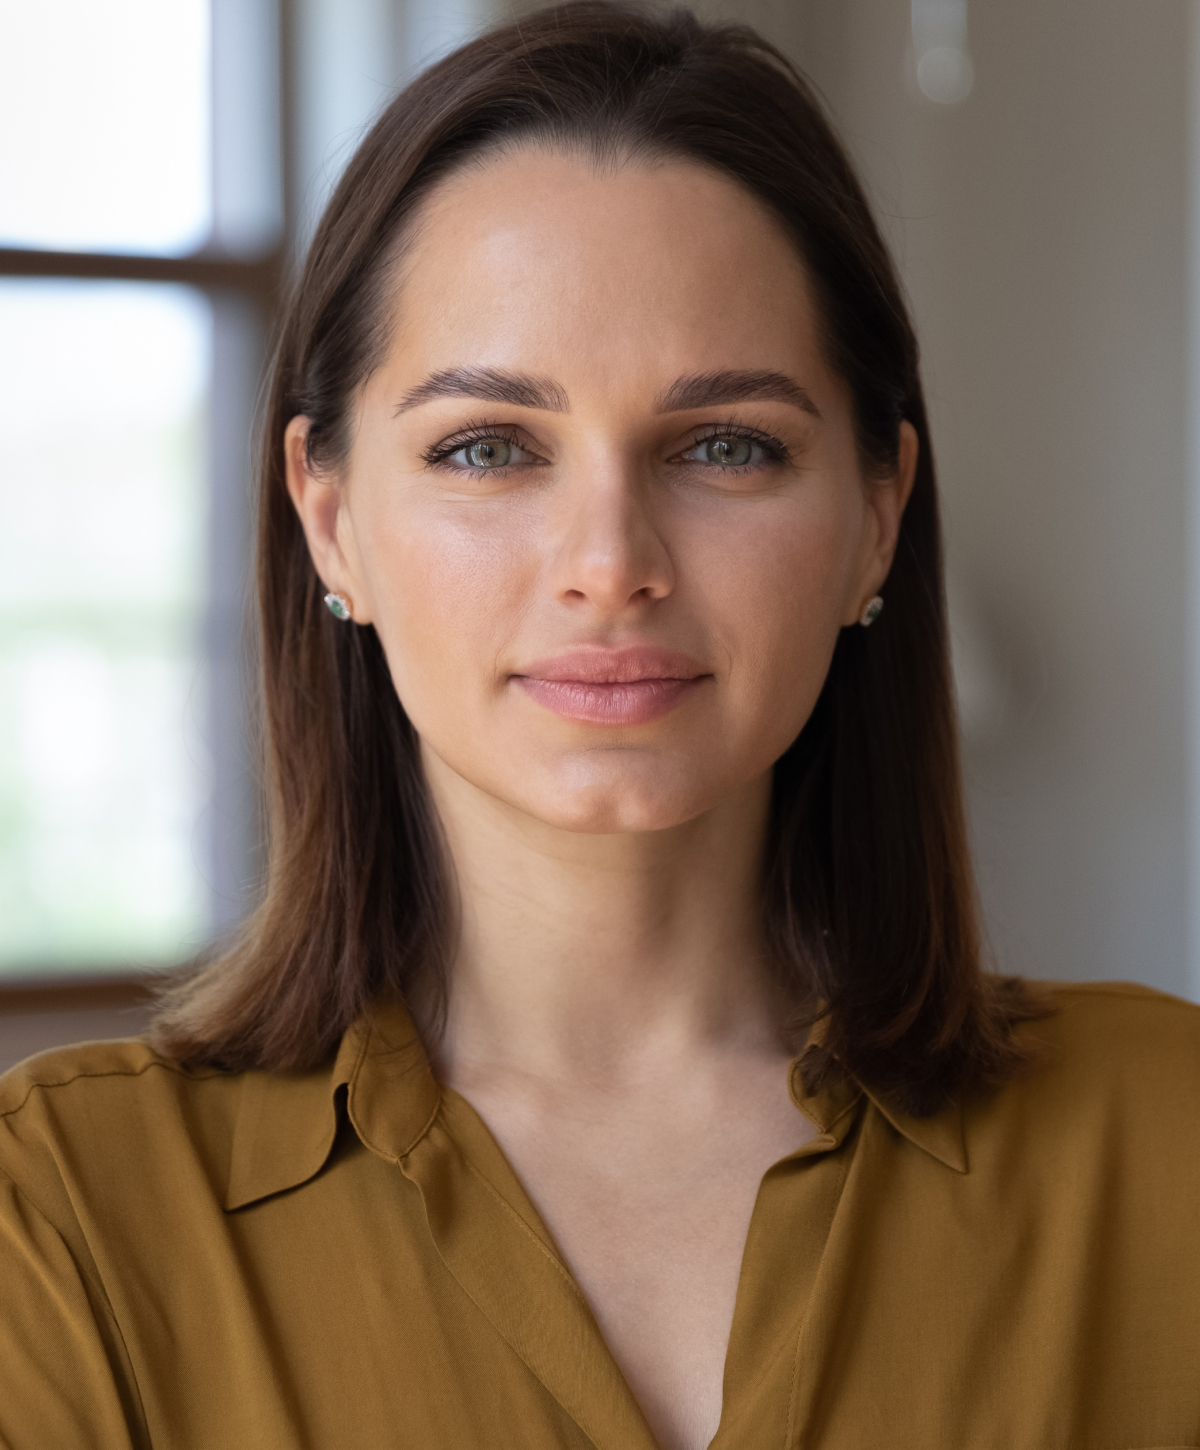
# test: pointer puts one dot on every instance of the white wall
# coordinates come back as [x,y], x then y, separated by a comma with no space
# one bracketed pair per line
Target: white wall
[1041,229]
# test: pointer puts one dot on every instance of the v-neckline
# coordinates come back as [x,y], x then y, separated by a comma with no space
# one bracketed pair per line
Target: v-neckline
[516,1276]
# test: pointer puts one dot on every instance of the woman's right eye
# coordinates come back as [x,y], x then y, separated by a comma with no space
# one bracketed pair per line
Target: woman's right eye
[488,453]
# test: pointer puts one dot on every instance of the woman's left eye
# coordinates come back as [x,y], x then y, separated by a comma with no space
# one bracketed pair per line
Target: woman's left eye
[726,450]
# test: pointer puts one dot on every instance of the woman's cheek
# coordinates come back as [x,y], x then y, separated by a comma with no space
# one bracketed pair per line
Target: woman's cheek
[783,570]
[449,590]
[781,589]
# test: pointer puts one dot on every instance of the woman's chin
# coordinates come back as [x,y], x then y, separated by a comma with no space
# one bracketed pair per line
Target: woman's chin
[615,818]
[618,798]
[597,791]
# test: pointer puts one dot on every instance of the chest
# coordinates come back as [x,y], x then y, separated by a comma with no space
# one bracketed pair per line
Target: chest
[651,1211]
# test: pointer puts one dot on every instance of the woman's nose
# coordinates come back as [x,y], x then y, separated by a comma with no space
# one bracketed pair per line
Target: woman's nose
[611,553]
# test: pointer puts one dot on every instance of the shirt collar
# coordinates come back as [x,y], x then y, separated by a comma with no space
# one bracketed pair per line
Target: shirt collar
[942,1135]
[287,1122]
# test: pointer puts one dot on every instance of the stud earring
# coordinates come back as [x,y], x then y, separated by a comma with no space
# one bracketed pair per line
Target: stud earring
[871,611]
[339,606]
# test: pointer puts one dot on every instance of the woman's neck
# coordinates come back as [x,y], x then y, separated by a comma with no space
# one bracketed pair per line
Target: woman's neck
[603,954]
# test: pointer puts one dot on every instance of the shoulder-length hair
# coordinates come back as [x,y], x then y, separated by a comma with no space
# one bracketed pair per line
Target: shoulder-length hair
[868,893]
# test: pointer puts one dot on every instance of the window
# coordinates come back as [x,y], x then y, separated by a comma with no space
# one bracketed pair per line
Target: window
[140,244]
[103,412]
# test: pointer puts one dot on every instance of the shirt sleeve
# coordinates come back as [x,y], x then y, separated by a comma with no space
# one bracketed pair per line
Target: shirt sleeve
[57,1344]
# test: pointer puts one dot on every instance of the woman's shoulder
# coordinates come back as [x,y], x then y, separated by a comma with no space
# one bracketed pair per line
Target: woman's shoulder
[1120,1027]
[67,1082]
[75,1110]
[112,1123]
[1113,1063]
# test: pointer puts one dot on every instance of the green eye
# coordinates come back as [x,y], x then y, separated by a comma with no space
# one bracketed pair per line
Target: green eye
[488,453]
[729,452]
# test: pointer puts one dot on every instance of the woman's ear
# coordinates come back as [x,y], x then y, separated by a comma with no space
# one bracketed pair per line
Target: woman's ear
[321,503]
[886,501]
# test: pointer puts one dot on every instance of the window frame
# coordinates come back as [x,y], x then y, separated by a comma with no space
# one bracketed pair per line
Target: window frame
[244,294]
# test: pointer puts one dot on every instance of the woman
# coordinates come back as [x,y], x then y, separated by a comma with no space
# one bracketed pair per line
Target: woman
[609,1062]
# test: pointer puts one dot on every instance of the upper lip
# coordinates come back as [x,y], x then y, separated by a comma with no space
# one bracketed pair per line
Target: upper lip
[603,665]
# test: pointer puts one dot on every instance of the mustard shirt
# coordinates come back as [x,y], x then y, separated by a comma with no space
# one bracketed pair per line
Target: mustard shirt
[345,1259]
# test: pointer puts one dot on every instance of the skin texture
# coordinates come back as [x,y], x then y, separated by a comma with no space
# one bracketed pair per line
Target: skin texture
[612,1016]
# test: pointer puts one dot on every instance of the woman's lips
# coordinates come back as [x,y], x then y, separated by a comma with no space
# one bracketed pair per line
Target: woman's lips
[630,702]
[612,686]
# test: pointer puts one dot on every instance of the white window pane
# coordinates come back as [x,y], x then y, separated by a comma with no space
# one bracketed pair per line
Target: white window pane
[105,124]
[103,397]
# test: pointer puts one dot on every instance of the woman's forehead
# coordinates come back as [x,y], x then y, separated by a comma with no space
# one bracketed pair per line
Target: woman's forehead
[541,255]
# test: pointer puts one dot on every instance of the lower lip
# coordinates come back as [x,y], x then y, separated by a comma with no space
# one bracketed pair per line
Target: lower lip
[630,702]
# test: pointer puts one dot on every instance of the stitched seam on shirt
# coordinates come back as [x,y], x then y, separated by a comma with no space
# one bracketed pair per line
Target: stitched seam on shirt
[367,1142]
[789,1435]
[97,1286]
[849,1108]
[385,1153]
[567,1277]
[583,1425]
[497,1195]
[508,1208]
[569,1280]
[797,1323]
[111,1072]
[429,1122]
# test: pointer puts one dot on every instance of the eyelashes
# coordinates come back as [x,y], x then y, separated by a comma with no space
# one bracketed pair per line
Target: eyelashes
[773,450]
[481,432]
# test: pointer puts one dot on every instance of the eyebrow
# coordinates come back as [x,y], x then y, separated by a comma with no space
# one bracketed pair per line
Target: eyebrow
[707,390]
[491,385]
[698,390]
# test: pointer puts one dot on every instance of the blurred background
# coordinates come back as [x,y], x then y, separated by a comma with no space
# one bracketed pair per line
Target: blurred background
[162,162]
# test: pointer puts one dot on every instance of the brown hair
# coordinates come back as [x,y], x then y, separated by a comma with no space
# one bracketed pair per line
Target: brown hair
[869,891]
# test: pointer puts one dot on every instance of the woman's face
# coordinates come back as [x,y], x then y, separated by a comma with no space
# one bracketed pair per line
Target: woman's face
[603,504]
